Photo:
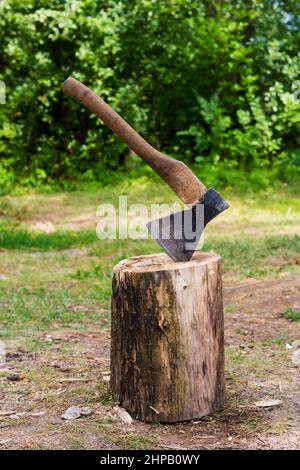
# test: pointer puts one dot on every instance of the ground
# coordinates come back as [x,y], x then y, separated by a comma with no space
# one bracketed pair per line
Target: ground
[55,320]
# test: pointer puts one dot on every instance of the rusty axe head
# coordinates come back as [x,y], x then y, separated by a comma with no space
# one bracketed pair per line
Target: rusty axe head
[179,233]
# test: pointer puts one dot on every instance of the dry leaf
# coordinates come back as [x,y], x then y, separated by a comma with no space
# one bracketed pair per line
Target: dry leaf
[123,414]
[296,357]
[16,377]
[75,379]
[75,412]
[267,403]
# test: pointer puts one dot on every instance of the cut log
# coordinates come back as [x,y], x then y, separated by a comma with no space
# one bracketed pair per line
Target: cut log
[167,354]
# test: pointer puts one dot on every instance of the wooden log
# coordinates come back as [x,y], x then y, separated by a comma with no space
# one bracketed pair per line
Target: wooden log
[167,354]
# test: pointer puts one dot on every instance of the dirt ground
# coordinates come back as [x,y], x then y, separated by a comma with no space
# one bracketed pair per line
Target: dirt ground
[72,368]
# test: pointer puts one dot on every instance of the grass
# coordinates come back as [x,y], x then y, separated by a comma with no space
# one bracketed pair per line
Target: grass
[230,308]
[39,308]
[44,283]
[291,314]
[279,340]
[67,288]
[75,442]
[254,361]
[24,240]
[135,442]
[246,256]
[61,282]
[129,440]
[251,256]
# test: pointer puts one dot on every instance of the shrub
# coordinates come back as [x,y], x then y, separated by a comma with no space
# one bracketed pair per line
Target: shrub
[209,82]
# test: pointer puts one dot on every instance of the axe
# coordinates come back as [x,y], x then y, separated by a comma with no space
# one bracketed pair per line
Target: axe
[179,233]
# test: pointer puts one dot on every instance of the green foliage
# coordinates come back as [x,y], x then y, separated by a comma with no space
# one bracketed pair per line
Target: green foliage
[210,82]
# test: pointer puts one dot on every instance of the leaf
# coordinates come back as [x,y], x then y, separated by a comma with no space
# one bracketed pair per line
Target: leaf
[75,412]
[16,377]
[123,414]
[267,403]
[296,357]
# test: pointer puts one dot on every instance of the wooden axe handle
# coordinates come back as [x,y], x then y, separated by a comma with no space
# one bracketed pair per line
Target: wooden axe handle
[174,172]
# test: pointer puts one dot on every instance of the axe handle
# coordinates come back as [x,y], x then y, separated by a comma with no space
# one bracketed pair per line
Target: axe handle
[175,173]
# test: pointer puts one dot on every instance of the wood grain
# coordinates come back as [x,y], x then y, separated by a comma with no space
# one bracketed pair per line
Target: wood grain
[167,355]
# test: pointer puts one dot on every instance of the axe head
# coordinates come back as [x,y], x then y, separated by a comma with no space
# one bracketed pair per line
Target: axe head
[179,233]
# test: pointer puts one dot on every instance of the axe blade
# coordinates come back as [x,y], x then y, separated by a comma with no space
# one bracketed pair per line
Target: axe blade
[179,233]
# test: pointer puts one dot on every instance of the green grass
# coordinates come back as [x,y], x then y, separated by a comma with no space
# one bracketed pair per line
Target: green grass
[129,441]
[44,285]
[135,442]
[38,308]
[254,361]
[245,255]
[16,239]
[75,442]
[291,314]
[248,256]
[47,287]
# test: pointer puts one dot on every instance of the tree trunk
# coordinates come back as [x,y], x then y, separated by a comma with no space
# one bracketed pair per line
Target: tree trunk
[167,355]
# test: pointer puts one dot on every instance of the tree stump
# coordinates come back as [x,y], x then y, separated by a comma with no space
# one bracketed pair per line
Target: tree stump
[167,354]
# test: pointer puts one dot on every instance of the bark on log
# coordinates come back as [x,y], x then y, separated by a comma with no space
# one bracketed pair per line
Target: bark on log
[167,355]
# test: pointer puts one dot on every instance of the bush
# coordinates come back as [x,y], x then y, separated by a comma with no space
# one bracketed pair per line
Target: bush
[206,81]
